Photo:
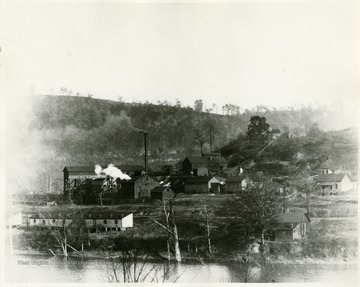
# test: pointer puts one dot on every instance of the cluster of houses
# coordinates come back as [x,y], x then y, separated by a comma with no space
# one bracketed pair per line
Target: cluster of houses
[82,182]
[198,175]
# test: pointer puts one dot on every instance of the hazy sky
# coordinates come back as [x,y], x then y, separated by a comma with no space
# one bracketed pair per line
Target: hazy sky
[240,53]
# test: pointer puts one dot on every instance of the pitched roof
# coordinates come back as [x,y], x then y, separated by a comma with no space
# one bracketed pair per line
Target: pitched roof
[327,164]
[159,189]
[333,177]
[235,179]
[292,217]
[199,179]
[197,159]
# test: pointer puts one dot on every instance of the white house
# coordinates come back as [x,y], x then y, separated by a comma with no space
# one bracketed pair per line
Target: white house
[334,182]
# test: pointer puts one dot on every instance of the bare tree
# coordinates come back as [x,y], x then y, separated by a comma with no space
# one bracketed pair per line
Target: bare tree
[171,228]
[208,228]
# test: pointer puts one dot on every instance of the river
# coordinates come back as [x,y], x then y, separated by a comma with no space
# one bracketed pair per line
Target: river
[41,269]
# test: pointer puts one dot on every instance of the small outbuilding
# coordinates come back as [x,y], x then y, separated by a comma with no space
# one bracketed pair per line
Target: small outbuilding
[235,183]
[292,225]
[162,193]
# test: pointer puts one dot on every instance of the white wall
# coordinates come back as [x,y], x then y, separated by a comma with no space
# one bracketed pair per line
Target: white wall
[127,221]
[213,180]
[345,184]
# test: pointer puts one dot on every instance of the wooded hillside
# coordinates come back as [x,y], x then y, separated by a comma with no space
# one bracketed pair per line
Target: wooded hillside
[66,130]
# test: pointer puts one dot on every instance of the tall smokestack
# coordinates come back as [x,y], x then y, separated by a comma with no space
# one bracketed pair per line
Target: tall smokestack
[146,155]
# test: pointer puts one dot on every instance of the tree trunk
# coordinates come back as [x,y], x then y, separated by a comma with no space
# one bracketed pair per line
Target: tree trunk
[176,236]
[208,230]
[168,233]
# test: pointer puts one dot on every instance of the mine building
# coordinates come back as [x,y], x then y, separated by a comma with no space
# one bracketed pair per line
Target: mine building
[83,185]
[137,187]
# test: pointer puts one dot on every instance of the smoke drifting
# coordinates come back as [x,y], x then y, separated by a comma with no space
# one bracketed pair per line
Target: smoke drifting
[111,171]
[123,120]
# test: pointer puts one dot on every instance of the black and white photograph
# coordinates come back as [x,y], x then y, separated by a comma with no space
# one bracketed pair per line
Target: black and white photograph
[181,142]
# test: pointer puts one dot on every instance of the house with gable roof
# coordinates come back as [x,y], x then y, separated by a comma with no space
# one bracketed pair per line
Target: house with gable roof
[197,166]
[291,226]
[202,184]
[333,182]
[162,193]
[235,183]
[137,187]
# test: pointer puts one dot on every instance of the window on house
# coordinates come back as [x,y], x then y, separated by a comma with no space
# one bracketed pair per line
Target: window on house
[34,220]
[43,220]
[105,221]
[116,222]
[53,220]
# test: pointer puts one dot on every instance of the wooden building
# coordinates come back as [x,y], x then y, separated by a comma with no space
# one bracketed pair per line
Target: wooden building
[90,221]
[137,187]
[203,166]
[332,183]
[197,166]
[202,184]
[292,225]
[162,193]
[235,184]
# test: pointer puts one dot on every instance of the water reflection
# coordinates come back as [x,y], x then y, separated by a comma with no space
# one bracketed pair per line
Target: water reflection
[26,268]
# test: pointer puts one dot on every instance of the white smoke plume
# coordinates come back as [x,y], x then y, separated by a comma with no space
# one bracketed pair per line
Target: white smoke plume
[111,171]
[98,169]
